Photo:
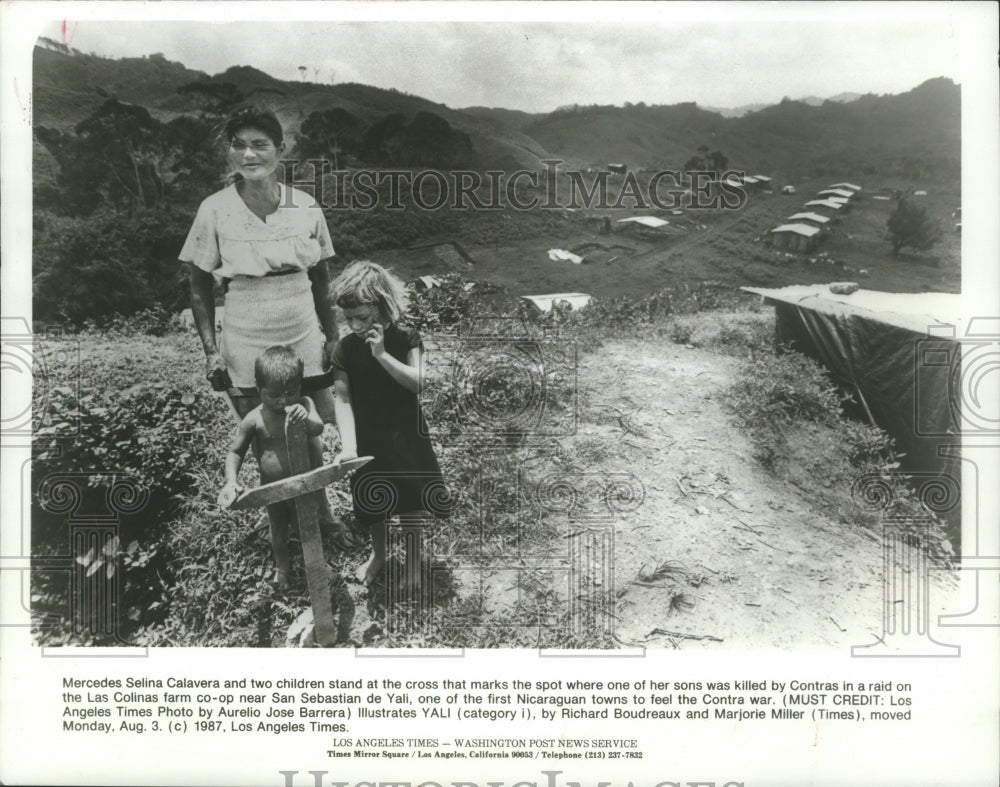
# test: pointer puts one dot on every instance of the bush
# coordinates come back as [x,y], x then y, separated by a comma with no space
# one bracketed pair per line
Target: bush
[774,390]
[910,226]
[108,265]
[155,434]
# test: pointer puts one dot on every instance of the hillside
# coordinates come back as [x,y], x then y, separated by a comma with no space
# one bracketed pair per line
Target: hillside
[873,135]
[896,143]
[919,130]
[70,87]
[713,550]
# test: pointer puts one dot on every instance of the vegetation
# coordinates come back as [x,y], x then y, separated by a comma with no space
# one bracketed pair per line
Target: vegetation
[910,226]
[191,574]
[794,414]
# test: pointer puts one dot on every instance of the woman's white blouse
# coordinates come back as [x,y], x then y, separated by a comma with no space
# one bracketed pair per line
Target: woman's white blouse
[227,239]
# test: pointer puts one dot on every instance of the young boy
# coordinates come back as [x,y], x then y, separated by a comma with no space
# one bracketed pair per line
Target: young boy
[278,373]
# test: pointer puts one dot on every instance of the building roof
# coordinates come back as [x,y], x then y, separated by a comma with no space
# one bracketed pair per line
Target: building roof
[811,217]
[765,178]
[845,185]
[648,221]
[577,300]
[826,203]
[749,179]
[798,229]
[838,192]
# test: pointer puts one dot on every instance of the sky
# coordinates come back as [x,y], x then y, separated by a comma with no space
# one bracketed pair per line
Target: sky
[537,56]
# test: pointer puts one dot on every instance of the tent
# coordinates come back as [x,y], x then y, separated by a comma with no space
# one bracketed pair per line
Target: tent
[897,353]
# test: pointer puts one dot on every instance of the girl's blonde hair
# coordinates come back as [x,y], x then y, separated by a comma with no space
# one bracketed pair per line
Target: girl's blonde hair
[364,283]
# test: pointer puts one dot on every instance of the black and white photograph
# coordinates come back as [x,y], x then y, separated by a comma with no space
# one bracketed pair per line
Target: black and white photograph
[613,384]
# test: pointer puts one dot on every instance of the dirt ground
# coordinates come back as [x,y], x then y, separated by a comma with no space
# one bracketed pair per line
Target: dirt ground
[761,568]
[755,565]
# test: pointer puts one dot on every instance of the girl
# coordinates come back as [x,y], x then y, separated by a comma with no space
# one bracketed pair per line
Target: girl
[376,381]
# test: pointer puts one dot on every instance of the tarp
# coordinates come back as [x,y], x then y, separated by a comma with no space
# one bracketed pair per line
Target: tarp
[561,255]
[896,352]
[648,221]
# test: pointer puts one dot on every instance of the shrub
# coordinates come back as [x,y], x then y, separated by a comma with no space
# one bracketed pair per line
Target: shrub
[778,389]
[107,265]
[155,434]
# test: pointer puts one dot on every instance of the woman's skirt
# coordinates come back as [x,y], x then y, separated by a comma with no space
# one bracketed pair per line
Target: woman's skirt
[262,312]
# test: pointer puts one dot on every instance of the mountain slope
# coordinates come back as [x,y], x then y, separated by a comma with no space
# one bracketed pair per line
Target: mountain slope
[70,87]
[791,138]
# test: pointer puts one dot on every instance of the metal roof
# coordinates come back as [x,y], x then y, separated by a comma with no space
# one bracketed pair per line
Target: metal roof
[798,229]
[811,217]
[826,203]
[837,192]
[845,185]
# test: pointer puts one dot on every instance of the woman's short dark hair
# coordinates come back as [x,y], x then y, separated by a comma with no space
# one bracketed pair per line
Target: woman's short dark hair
[254,117]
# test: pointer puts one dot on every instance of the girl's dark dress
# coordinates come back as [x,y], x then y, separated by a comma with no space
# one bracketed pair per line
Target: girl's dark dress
[390,426]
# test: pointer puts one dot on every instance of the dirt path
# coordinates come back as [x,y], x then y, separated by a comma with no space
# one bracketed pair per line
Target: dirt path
[761,568]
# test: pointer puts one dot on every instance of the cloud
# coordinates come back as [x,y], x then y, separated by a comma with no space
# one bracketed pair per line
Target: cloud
[537,66]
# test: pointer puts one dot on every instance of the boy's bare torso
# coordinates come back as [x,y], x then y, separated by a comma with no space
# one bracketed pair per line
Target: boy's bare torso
[271,448]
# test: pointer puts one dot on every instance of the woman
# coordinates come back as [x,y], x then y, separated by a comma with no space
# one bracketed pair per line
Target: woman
[269,246]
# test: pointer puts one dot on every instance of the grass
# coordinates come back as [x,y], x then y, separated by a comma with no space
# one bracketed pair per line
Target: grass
[793,413]
[200,576]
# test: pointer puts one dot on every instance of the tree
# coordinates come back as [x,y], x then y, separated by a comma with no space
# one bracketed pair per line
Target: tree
[719,161]
[122,157]
[330,132]
[111,159]
[910,226]
[214,98]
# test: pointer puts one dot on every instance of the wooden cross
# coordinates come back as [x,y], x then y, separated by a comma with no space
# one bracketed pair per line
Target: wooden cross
[302,487]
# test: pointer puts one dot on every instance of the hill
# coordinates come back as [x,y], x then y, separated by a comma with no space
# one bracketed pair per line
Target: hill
[873,134]
[69,87]
[899,143]
[813,101]
[915,133]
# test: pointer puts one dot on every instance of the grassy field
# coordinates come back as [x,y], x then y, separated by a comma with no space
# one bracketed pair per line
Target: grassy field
[699,245]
